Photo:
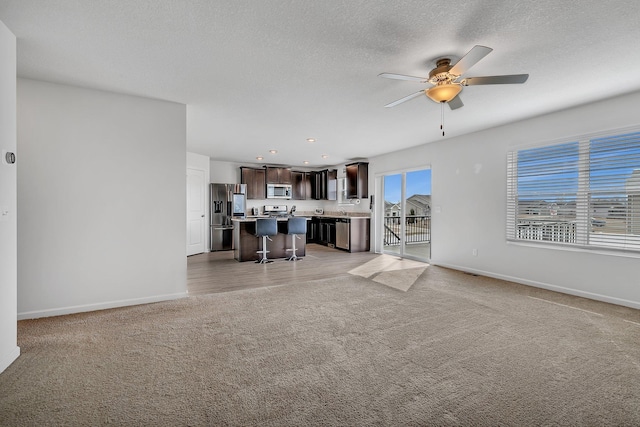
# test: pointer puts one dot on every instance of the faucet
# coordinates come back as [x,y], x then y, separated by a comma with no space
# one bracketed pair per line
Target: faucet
[342,212]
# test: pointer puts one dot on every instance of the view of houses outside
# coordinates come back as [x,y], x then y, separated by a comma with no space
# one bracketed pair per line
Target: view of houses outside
[416,221]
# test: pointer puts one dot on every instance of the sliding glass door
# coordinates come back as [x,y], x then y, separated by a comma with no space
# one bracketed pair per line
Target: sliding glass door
[406,225]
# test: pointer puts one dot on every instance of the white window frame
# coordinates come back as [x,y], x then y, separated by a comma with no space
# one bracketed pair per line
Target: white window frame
[583,235]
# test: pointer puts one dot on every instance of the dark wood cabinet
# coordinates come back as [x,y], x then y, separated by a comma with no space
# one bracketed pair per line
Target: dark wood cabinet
[357,182]
[324,185]
[308,185]
[315,185]
[316,190]
[299,185]
[278,175]
[312,230]
[327,232]
[332,184]
[256,182]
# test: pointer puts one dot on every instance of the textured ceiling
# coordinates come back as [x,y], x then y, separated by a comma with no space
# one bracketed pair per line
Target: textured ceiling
[268,74]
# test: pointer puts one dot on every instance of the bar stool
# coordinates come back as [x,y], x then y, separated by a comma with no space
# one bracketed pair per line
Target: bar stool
[295,226]
[265,227]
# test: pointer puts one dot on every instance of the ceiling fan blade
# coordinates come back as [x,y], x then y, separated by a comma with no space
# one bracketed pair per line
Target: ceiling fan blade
[403,77]
[495,80]
[406,98]
[470,59]
[455,103]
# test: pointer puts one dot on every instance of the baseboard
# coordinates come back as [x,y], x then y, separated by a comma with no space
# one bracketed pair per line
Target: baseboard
[8,358]
[98,306]
[550,287]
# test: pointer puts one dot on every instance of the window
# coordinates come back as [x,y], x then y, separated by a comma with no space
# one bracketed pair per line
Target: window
[584,193]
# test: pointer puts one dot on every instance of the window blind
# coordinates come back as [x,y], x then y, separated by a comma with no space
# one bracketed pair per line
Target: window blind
[584,193]
[614,188]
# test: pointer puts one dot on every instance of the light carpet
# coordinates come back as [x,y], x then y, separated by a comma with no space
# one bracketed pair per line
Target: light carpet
[453,350]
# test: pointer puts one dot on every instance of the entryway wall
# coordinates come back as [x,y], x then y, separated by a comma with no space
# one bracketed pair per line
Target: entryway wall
[101,199]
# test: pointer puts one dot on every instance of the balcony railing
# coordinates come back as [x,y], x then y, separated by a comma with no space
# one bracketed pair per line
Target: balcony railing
[551,231]
[417,229]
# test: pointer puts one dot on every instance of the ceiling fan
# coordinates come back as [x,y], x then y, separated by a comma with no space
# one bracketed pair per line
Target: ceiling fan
[445,79]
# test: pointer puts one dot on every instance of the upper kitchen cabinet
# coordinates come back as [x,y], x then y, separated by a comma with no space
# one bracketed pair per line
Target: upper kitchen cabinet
[357,180]
[301,183]
[332,184]
[256,182]
[324,185]
[278,175]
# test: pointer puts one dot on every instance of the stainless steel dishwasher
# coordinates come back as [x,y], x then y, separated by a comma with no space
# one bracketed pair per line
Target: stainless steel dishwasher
[342,233]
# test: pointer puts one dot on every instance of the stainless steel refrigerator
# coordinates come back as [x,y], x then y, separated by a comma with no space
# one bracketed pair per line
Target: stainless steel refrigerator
[227,201]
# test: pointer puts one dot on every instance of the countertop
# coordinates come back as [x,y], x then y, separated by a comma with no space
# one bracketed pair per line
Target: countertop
[339,216]
[252,218]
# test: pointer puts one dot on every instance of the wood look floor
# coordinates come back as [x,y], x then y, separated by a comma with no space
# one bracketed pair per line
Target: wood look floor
[218,272]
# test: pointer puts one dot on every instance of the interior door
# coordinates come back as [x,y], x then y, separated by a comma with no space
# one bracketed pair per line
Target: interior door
[196,202]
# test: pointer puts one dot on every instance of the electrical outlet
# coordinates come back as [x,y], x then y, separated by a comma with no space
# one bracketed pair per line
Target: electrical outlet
[474,252]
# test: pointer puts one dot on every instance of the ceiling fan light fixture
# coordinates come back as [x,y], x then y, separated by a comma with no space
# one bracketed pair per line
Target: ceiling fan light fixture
[443,92]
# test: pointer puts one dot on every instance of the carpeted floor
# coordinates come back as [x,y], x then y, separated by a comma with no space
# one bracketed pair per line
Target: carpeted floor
[452,349]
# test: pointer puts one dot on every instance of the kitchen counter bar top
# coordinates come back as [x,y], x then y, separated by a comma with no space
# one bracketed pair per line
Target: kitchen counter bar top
[253,218]
[284,219]
[309,216]
[341,216]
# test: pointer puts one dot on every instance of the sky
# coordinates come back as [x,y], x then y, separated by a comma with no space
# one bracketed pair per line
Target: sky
[552,173]
[418,182]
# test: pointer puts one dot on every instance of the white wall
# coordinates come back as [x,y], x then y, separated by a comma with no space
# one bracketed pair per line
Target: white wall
[224,172]
[203,163]
[102,199]
[9,350]
[469,186]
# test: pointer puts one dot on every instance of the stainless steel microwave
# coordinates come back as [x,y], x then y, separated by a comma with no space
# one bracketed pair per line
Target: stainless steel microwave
[278,191]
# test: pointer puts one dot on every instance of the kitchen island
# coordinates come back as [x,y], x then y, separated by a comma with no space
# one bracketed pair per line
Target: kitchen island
[246,244]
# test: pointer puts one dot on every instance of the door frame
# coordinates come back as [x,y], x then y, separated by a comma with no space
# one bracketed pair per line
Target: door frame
[379,211]
[204,196]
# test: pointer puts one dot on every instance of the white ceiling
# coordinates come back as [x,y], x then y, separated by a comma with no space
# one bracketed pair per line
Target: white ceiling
[268,74]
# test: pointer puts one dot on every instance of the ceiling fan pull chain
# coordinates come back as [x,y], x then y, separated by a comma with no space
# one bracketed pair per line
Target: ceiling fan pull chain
[442,117]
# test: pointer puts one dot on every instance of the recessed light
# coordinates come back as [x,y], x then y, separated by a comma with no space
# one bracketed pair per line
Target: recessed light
[273,151]
[325,156]
[259,158]
[311,140]
[306,162]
